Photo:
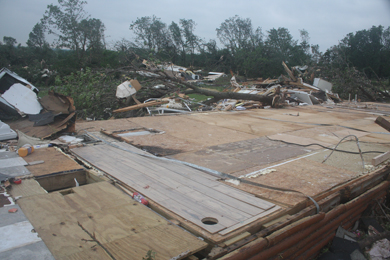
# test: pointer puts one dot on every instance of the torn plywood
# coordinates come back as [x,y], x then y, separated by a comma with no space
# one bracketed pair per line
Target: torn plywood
[61,122]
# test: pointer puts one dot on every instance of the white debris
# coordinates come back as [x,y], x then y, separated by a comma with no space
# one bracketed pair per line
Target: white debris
[262,172]
[233,181]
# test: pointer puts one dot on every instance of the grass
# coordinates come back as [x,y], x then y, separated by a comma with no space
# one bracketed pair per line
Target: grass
[199,97]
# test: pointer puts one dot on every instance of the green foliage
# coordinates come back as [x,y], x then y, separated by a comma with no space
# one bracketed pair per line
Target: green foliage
[9,41]
[93,92]
[150,255]
[75,29]
[151,33]
[368,50]
[36,38]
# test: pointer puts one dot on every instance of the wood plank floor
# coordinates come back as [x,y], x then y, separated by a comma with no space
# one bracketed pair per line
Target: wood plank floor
[189,193]
[125,229]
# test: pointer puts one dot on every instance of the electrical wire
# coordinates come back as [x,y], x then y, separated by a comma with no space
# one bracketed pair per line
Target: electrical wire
[357,143]
[325,147]
[303,123]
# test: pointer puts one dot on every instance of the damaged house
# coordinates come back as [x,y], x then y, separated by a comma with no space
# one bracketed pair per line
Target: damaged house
[220,184]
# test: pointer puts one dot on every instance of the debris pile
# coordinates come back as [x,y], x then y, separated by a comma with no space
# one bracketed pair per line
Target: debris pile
[287,90]
[284,91]
[39,117]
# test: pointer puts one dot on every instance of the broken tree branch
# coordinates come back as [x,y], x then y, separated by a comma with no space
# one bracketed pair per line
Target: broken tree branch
[148,104]
[218,95]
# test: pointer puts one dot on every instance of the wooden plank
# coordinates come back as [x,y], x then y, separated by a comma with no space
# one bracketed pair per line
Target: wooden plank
[383,123]
[236,239]
[168,199]
[281,219]
[250,220]
[192,197]
[168,195]
[147,166]
[244,196]
[122,226]
[289,72]
[380,158]
[148,104]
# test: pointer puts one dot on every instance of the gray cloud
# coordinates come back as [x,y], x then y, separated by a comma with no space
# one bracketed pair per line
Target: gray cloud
[326,21]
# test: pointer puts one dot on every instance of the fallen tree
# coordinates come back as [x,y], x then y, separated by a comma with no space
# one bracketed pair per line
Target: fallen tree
[267,100]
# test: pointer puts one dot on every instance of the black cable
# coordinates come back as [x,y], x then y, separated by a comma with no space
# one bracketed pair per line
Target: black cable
[323,146]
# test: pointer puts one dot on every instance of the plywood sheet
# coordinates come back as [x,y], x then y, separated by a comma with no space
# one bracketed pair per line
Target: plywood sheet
[192,130]
[246,123]
[191,196]
[303,175]
[124,228]
[307,142]
[27,127]
[28,187]
[54,162]
[162,144]
[237,156]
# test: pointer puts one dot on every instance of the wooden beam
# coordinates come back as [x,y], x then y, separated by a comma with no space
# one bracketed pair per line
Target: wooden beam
[383,123]
[380,158]
[148,104]
[289,72]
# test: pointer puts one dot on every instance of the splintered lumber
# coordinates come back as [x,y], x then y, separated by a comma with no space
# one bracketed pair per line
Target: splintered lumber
[289,72]
[147,104]
[301,85]
[383,123]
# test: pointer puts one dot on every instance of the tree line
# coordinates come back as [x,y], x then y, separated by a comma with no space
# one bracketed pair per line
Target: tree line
[244,50]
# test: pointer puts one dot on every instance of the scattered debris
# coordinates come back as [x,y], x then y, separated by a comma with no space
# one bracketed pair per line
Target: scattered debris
[13,210]
[6,132]
[261,172]
[380,250]
[233,181]
[128,88]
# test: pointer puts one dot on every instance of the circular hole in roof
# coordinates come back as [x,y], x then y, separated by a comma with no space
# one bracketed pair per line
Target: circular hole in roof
[209,221]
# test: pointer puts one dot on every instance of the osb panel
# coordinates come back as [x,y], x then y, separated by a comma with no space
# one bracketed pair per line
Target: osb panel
[245,123]
[303,141]
[347,161]
[327,134]
[307,114]
[54,162]
[162,144]
[194,131]
[237,156]
[65,223]
[28,187]
[306,176]
[110,125]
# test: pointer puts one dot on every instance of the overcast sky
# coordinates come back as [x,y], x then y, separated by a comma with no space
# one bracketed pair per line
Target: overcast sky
[327,21]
